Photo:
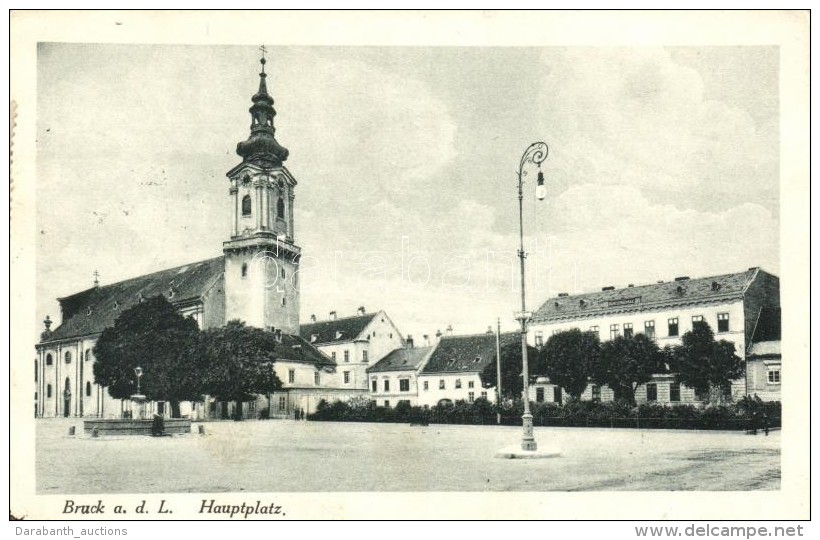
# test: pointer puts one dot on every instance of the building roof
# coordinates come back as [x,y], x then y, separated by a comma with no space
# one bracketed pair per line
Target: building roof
[91,311]
[764,349]
[404,359]
[295,349]
[335,330]
[681,291]
[463,354]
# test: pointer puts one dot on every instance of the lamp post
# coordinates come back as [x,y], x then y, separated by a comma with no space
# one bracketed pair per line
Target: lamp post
[536,153]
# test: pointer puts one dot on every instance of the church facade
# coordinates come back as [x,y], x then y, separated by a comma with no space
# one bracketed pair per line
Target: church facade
[255,280]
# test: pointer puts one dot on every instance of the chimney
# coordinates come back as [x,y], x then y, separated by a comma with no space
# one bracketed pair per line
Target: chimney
[312,317]
[682,278]
[426,340]
[438,335]
[489,329]
[332,315]
[715,286]
[562,294]
[609,288]
[631,285]
[409,341]
[361,310]
[449,330]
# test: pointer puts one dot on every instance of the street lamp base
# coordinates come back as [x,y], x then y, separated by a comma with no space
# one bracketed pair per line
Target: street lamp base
[528,443]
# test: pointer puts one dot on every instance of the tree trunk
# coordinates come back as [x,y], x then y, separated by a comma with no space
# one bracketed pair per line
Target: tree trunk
[238,410]
[175,409]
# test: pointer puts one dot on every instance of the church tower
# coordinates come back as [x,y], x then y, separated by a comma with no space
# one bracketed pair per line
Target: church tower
[261,258]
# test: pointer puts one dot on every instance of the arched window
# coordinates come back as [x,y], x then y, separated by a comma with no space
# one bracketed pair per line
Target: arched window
[49,360]
[35,371]
[48,390]
[88,355]
[246,205]
[68,357]
[280,208]
[67,386]
[88,388]
[244,270]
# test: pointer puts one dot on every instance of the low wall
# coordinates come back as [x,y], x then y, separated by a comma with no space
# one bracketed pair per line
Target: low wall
[135,426]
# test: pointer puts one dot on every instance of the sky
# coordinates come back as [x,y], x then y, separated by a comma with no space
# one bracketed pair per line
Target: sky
[663,162]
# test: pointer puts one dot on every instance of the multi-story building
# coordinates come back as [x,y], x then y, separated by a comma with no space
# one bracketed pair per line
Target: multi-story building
[453,370]
[732,305]
[394,378]
[353,343]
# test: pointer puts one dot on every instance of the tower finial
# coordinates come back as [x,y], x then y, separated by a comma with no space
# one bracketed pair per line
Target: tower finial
[262,60]
[96,278]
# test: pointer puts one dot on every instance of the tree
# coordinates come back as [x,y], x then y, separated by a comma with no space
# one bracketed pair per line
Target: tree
[512,367]
[627,362]
[702,363]
[568,358]
[240,363]
[154,336]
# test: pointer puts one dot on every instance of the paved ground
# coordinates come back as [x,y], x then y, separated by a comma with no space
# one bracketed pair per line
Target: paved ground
[284,455]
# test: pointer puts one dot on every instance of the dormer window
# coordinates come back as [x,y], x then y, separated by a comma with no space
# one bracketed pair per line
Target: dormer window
[313,338]
[246,205]
[88,310]
[338,335]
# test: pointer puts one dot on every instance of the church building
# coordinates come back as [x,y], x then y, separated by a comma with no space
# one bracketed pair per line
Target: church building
[255,280]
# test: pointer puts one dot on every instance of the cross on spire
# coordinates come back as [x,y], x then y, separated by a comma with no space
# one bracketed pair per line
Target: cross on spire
[96,278]
[262,61]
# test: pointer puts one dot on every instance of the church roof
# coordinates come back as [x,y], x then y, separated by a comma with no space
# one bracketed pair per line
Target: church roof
[404,359]
[335,330]
[91,311]
[657,295]
[460,354]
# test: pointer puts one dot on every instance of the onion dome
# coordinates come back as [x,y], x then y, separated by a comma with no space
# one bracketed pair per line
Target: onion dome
[261,147]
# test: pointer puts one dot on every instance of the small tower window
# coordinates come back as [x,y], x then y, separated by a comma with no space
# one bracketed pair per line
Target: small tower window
[244,270]
[280,208]
[246,205]
[68,357]
[87,388]
[49,361]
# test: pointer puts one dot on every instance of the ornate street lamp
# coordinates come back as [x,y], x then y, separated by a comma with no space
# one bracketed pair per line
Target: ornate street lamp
[535,154]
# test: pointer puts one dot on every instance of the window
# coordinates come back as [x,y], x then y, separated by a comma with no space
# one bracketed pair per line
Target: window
[88,355]
[244,270]
[673,327]
[484,394]
[696,319]
[596,392]
[291,375]
[68,357]
[387,403]
[470,396]
[87,388]
[49,360]
[723,322]
[347,377]
[364,356]
[651,392]
[316,378]
[539,338]
[35,371]
[387,385]
[628,330]
[470,384]
[649,329]
[246,205]
[375,385]
[404,385]
[283,301]
[614,331]
[594,329]
[774,376]
[48,390]
[674,392]
[426,385]
[441,384]
[333,356]
[283,273]
[557,395]
[539,395]
[282,402]
[458,383]
[347,356]
[280,208]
